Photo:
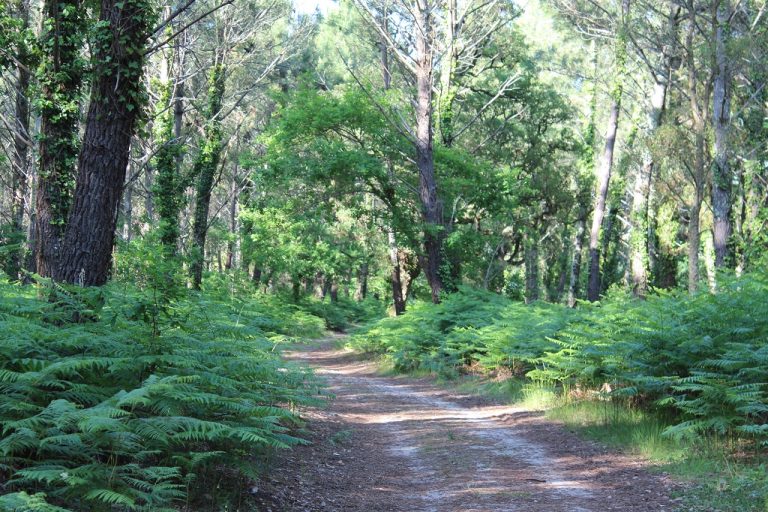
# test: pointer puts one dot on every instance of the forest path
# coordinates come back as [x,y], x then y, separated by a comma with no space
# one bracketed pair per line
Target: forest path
[405,444]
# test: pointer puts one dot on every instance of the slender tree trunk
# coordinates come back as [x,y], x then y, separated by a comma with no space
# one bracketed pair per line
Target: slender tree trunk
[232,222]
[603,182]
[395,278]
[531,266]
[699,97]
[694,234]
[334,292]
[127,214]
[362,283]
[606,164]
[60,78]
[21,144]
[430,202]
[639,260]
[578,248]
[110,124]
[721,120]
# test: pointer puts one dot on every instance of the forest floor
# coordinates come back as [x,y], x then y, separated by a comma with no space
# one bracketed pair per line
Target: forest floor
[403,444]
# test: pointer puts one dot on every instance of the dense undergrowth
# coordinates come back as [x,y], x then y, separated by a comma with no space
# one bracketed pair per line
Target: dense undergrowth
[129,398]
[684,370]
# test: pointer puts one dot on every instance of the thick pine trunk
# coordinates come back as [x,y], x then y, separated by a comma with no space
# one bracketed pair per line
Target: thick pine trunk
[104,156]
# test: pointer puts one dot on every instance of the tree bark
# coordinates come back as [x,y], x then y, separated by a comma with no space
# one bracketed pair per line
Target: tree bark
[127,214]
[578,248]
[531,266]
[232,222]
[21,144]
[362,282]
[721,121]
[694,234]
[638,239]
[60,78]
[699,97]
[206,166]
[431,206]
[606,164]
[395,278]
[114,106]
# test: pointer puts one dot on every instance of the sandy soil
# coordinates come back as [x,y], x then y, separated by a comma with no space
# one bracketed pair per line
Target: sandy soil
[403,444]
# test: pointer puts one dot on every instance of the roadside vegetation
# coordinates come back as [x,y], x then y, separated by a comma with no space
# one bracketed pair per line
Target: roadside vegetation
[135,397]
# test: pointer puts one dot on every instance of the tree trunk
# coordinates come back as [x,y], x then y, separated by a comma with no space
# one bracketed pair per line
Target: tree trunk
[60,78]
[430,203]
[694,234]
[412,268]
[603,182]
[21,144]
[362,283]
[232,223]
[606,164]
[531,266]
[698,100]
[578,247]
[170,185]
[334,292]
[721,121]
[114,106]
[127,214]
[395,280]
[395,276]
[205,168]
[639,236]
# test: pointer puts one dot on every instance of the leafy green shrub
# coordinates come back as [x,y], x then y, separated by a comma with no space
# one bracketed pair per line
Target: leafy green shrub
[119,415]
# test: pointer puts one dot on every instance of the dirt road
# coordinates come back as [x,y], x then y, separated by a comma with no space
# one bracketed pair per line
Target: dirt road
[400,444]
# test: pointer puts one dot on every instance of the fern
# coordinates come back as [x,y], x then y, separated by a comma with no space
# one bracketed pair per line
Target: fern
[121,413]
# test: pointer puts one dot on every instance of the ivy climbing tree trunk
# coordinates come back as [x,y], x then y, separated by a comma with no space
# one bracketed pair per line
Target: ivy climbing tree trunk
[170,184]
[206,165]
[60,78]
[606,164]
[117,97]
